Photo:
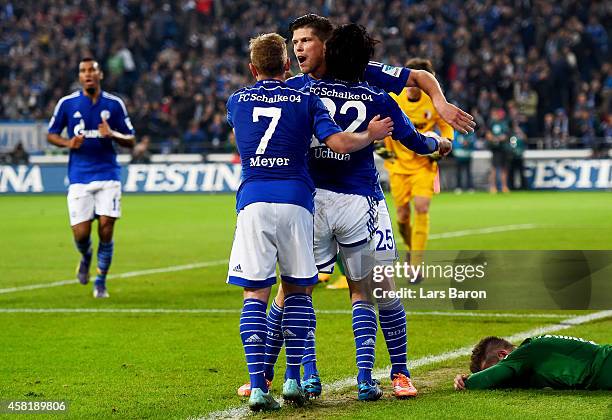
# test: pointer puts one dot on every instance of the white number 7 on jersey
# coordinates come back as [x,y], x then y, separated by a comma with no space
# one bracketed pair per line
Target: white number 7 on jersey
[275,114]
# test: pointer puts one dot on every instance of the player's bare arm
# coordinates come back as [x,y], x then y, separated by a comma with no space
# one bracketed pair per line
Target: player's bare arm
[351,142]
[459,382]
[457,118]
[73,143]
[124,140]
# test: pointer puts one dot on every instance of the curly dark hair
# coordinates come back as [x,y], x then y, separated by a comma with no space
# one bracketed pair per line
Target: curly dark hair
[321,26]
[348,51]
[485,351]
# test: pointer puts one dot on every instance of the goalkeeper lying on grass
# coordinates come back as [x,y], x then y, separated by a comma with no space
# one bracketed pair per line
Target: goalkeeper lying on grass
[547,361]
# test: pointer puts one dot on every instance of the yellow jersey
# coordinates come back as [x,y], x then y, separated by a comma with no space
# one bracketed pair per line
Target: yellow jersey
[425,118]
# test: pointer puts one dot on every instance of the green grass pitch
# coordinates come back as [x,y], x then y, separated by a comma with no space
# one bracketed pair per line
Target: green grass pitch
[113,359]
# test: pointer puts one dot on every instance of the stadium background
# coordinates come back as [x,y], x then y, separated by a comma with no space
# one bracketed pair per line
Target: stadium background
[165,344]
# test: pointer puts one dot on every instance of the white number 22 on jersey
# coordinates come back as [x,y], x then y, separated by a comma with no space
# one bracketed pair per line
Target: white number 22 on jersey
[275,114]
[358,105]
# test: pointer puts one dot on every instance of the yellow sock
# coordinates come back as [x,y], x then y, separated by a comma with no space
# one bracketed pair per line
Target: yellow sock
[420,233]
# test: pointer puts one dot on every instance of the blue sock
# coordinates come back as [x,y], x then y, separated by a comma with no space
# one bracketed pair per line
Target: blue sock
[274,342]
[392,319]
[364,330]
[309,360]
[253,331]
[84,247]
[105,256]
[296,324]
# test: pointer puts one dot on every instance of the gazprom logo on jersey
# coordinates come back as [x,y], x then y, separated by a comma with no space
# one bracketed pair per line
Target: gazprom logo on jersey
[569,174]
[154,178]
[79,130]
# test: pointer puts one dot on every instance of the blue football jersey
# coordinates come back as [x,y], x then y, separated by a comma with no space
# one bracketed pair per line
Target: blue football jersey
[389,78]
[96,159]
[353,105]
[274,125]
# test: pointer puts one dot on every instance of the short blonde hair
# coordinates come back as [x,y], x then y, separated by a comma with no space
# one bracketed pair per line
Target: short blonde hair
[269,54]
[419,63]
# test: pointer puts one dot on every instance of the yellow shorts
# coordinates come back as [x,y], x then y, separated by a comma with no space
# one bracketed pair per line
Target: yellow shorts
[405,186]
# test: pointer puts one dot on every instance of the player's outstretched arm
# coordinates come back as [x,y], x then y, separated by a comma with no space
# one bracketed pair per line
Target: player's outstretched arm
[457,118]
[73,143]
[406,133]
[459,382]
[344,142]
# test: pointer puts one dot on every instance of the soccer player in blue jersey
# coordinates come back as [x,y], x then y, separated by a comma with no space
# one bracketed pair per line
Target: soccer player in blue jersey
[350,182]
[95,120]
[274,124]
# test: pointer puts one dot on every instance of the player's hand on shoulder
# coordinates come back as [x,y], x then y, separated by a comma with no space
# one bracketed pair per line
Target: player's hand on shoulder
[459,383]
[444,146]
[104,128]
[379,129]
[76,142]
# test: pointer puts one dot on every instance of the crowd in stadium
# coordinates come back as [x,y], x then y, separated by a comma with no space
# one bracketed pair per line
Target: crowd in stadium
[540,67]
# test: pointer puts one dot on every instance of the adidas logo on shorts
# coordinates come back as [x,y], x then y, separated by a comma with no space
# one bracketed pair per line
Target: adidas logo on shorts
[237,269]
[77,115]
[253,339]
[288,333]
[369,342]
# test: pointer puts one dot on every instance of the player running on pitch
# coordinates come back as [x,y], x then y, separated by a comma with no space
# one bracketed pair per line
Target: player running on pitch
[546,361]
[95,120]
[274,125]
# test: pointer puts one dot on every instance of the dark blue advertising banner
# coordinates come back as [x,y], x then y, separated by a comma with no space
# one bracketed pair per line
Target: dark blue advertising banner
[153,178]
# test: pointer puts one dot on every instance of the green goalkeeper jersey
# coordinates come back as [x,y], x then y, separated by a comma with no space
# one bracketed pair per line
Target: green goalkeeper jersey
[557,362]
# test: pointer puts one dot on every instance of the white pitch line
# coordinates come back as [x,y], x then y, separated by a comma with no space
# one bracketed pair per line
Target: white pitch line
[480,231]
[238,412]
[467,232]
[129,274]
[237,311]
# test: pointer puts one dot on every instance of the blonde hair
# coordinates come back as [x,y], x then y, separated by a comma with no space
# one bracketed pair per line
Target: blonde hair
[269,54]
[419,63]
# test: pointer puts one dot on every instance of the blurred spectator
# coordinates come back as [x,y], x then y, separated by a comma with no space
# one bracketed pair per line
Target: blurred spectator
[19,156]
[194,139]
[527,102]
[584,120]
[601,149]
[218,130]
[463,146]
[176,61]
[516,177]
[497,138]
[516,148]
[140,152]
